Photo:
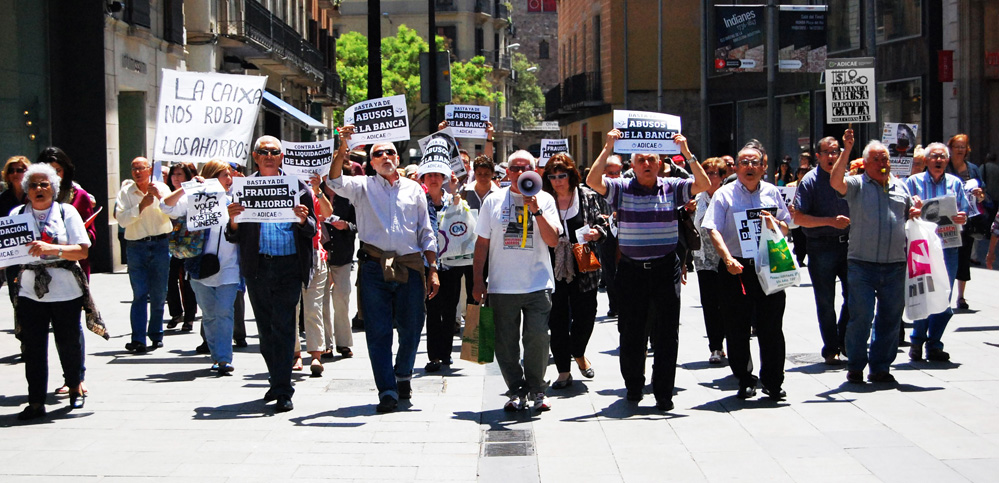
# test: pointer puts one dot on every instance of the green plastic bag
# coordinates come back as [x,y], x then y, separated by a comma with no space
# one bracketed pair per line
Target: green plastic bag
[776,267]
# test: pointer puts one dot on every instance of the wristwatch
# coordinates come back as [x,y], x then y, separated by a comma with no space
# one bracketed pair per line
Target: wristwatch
[60,253]
[692,159]
[538,213]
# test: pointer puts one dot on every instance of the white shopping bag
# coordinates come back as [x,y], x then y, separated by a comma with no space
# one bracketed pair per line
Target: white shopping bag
[776,267]
[927,286]
[456,235]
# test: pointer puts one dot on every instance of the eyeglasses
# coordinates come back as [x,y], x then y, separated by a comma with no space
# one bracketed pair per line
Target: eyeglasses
[750,162]
[712,173]
[39,185]
[517,169]
[140,168]
[382,152]
[558,176]
[613,173]
[936,156]
[831,153]
[17,170]
[268,152]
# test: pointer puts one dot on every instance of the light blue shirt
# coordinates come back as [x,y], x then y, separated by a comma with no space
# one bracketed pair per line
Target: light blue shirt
[735,198]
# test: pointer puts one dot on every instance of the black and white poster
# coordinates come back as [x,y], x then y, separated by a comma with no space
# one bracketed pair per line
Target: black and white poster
[646,132]
[15,232]
[801,40]
[467,121]
[901,142]
[740,44]
[206,115]
[267,199]
[446,134]
[941,210]
[750,224]
[206,204]
[381,120]
[551,147]
[303,159]
[850,90]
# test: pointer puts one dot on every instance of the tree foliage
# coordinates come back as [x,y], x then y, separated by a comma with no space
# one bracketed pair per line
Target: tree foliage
[526,98]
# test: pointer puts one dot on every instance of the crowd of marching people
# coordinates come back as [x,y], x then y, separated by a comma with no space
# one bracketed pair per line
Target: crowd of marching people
[544,241]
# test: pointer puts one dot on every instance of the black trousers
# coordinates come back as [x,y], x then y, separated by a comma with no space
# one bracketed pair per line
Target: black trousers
[608,270]
[180,295]
[744,296]
[35,318]
[711,305]
[640,290]
[571,321]
[441,314]
[274,292]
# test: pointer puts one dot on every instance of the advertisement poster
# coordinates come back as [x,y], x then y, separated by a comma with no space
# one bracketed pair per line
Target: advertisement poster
[740,43]
[801,38]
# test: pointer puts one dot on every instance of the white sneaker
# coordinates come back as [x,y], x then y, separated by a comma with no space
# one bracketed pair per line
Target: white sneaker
[516,403]
[541,402]
[716,357]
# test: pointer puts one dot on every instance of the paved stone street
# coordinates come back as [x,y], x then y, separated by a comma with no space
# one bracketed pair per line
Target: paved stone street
[164,416]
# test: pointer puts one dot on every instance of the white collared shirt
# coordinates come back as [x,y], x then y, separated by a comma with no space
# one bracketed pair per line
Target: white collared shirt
[390,216]
[150,221]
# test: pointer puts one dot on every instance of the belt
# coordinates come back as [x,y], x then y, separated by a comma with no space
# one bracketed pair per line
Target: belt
[834,238]
[266,256]
[150,238]
[646,264]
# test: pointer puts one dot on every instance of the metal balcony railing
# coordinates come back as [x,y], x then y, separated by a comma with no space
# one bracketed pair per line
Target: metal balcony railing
[483,6]
[251,21]
[502,62]
[553,101]
[446,5]
[502,12]
[575,92]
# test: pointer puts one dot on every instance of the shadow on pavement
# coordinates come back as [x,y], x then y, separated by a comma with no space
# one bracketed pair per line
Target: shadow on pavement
[243,410]
[817,368]
[624,409]
[701,365]
[731,404]
[180,376]
[366,410]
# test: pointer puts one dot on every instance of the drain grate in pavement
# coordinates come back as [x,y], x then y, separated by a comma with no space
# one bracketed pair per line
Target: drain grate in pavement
[507,443]
[805,358]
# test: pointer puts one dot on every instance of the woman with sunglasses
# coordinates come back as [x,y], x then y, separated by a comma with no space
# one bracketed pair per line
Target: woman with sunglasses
[574,302]
[706,261]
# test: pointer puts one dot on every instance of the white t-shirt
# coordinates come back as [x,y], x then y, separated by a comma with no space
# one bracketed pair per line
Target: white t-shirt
[68,231]
[512,269]
[227,252]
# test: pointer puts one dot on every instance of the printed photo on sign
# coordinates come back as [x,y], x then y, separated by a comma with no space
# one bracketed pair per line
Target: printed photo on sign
[850,90]
[267,199]
[467,121]
[901,142]
[646,132]
[15,232]
[381,120]
[447,135]
[206,204]
[551,147]
[303,159]
[514,234]
[739,42]
[206,115]
[941,210]
[749,225]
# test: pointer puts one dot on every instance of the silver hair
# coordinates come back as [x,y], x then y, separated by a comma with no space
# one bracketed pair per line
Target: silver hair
[749,148]
[937,145]
[273,139]
[614,158]
[44,169]
[523,154]
[874,145]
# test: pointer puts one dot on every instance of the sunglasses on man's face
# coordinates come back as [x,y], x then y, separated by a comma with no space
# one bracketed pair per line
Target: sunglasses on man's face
[558,176]
[517,169]
[268,152]
[382,152]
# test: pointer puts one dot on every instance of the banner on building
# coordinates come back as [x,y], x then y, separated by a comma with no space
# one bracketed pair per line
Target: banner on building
[206,204]
[206,115]
[646,132]
[542,6]
[467,121]
[551,147]
[446,134]
[303,159]
[740,45]
[901,142]
[16,231]
[267,199]
[801,39]
[850,90]
[381,120]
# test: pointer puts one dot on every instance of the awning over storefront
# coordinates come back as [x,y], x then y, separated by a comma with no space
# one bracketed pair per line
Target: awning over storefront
[290,110]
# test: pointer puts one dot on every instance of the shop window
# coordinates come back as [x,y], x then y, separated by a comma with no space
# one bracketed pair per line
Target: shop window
[843,25]
[751,121]
[795,120]
[902,101]
[898,19]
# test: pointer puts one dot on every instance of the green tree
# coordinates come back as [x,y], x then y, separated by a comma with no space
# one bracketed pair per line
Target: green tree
[526,98]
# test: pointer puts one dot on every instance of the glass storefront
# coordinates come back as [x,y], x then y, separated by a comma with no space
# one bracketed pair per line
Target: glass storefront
[902,101]
[24,79]
[898,19]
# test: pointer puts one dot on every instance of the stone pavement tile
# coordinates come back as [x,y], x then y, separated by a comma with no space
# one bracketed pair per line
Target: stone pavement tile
[506,469]
[451,448]
[377,472]
[903,464]
[968,446]
[870,438]
[275,469]
[750,464]
[712,432]
[976,470]
[623,435]
[594,463]
[834,466]
[770,418]
[659,465]
[835,414]
[798,446]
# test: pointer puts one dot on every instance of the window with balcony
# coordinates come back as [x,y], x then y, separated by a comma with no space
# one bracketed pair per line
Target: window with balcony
[480,41]
[898,19]
[450,34]
[173,21]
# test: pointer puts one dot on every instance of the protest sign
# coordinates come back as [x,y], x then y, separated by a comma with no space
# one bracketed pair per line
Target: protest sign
[788,193]
[447,135]
[436,159]
[15,232]
[850,90]
[801,38]
[467,121]
[646,132]
[206,204]
[206,115]
[303,159]
[749,224]
[267,199]
[381,120]
[901,142]
[941,210]
[739,44]
[551,147]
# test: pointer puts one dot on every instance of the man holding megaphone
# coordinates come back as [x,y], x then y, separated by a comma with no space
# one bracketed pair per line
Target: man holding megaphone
[516,226]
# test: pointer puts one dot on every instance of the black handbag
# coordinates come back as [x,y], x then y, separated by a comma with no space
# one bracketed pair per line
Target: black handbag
[209,264]
[687,231]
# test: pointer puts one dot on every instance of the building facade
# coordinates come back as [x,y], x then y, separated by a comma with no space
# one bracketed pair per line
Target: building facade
[535,32]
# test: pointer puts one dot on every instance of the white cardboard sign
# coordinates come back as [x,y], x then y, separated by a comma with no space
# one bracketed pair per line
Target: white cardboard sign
[267,199]
[381,120]
[646,132]
[467,121]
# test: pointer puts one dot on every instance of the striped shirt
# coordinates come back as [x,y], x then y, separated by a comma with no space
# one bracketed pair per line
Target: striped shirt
[647,226]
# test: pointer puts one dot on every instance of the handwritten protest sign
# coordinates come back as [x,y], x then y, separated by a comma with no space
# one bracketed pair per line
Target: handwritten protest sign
[206,115]
[749,224]
[206,204]
[850,90]
[15,232]
[646,132]
[551,147]
[467,121]
[901,142]
[303,159]
[446,134]
[267,199]
[379,120]
[941,210]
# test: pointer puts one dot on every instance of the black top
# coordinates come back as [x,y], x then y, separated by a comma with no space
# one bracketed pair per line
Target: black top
[340,246]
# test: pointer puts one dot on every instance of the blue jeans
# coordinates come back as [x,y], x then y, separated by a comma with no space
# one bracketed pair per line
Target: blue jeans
[148,270]
[883,283]
[274,293]
[217,305]
[931,329]
[826,261]
[382,302]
